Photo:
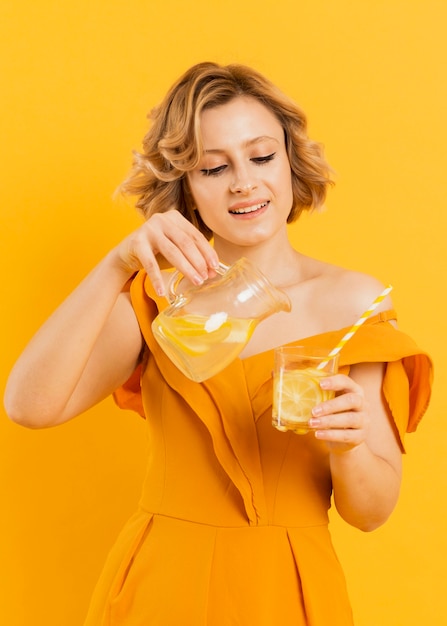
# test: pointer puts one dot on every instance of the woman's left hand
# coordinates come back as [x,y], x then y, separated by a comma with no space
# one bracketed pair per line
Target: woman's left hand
[343,422]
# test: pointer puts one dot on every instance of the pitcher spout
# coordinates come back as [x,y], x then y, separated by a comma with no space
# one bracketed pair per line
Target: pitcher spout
[283,301]
[278,301]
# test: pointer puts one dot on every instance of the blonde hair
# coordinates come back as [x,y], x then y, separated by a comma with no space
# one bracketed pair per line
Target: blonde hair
[172,146]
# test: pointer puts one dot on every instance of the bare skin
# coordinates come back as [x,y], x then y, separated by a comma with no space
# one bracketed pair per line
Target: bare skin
[92,343]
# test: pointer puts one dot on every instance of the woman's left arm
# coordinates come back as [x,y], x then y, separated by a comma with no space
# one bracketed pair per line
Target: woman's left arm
[365,456]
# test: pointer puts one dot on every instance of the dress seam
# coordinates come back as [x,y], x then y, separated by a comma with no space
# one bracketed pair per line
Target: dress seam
[231,527]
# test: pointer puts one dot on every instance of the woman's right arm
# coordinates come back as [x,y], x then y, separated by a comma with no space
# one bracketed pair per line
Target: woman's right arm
[91,344]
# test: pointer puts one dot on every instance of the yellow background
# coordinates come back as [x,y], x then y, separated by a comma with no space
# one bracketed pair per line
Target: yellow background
[78,78]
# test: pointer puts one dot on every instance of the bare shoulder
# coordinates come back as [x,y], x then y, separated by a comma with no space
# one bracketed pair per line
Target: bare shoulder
[356,289]
[345,294]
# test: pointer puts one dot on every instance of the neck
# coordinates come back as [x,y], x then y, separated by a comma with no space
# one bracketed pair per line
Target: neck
[281,264]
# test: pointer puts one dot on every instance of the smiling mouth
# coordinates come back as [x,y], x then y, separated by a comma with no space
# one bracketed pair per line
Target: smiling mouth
[249,209]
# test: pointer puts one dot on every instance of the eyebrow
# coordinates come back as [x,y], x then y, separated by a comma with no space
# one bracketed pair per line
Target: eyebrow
[246,144]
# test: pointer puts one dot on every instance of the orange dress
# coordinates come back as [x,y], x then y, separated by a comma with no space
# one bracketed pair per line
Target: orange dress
[232,527]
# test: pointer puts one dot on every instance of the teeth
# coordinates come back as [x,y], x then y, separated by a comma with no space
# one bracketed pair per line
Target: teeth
[250,209]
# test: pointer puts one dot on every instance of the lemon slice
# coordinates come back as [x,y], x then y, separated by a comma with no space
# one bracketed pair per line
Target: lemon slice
[194,334]
[295,394]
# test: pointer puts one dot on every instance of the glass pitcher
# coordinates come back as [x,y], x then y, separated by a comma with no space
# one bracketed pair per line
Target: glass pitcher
[206,327]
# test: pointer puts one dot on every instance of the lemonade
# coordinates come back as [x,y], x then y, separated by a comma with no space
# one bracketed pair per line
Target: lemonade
[200,346]
[295,393]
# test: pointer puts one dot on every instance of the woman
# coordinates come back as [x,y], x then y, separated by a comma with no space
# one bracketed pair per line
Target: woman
[232,524]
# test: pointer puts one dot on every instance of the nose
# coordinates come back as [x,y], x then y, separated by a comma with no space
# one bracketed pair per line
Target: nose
[243,185]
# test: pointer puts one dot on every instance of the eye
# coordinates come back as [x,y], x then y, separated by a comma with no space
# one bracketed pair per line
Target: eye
[214,171]
[264,159]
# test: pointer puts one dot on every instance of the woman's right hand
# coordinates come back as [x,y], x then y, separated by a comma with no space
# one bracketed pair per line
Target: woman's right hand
[168,238]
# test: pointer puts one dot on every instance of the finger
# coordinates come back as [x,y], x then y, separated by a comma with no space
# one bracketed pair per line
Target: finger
[348,438]
[182,245]
[185,254]
[203,245]
[340,383]
[339,421]
[343,430]
[345,402]
[146,259]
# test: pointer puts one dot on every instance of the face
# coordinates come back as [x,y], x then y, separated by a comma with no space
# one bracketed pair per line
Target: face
[242,186]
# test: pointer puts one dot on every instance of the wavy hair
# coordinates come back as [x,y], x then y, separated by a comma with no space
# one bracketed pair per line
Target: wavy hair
[172,146]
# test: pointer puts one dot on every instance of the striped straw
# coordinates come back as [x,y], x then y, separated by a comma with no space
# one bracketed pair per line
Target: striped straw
[354,328]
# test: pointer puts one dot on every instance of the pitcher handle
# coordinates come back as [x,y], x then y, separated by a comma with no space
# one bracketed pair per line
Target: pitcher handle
[177,276]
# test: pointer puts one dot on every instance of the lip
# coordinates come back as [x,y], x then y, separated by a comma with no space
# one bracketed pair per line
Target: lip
[238,209]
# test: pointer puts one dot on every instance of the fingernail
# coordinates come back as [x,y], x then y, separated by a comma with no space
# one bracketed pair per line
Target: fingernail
[317,410]
[324,383]
[197,280]
[313,423]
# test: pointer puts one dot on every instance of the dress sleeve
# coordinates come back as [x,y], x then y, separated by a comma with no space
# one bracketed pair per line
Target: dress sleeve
[128,396]
[407,390]
[144,302]
[408,375]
